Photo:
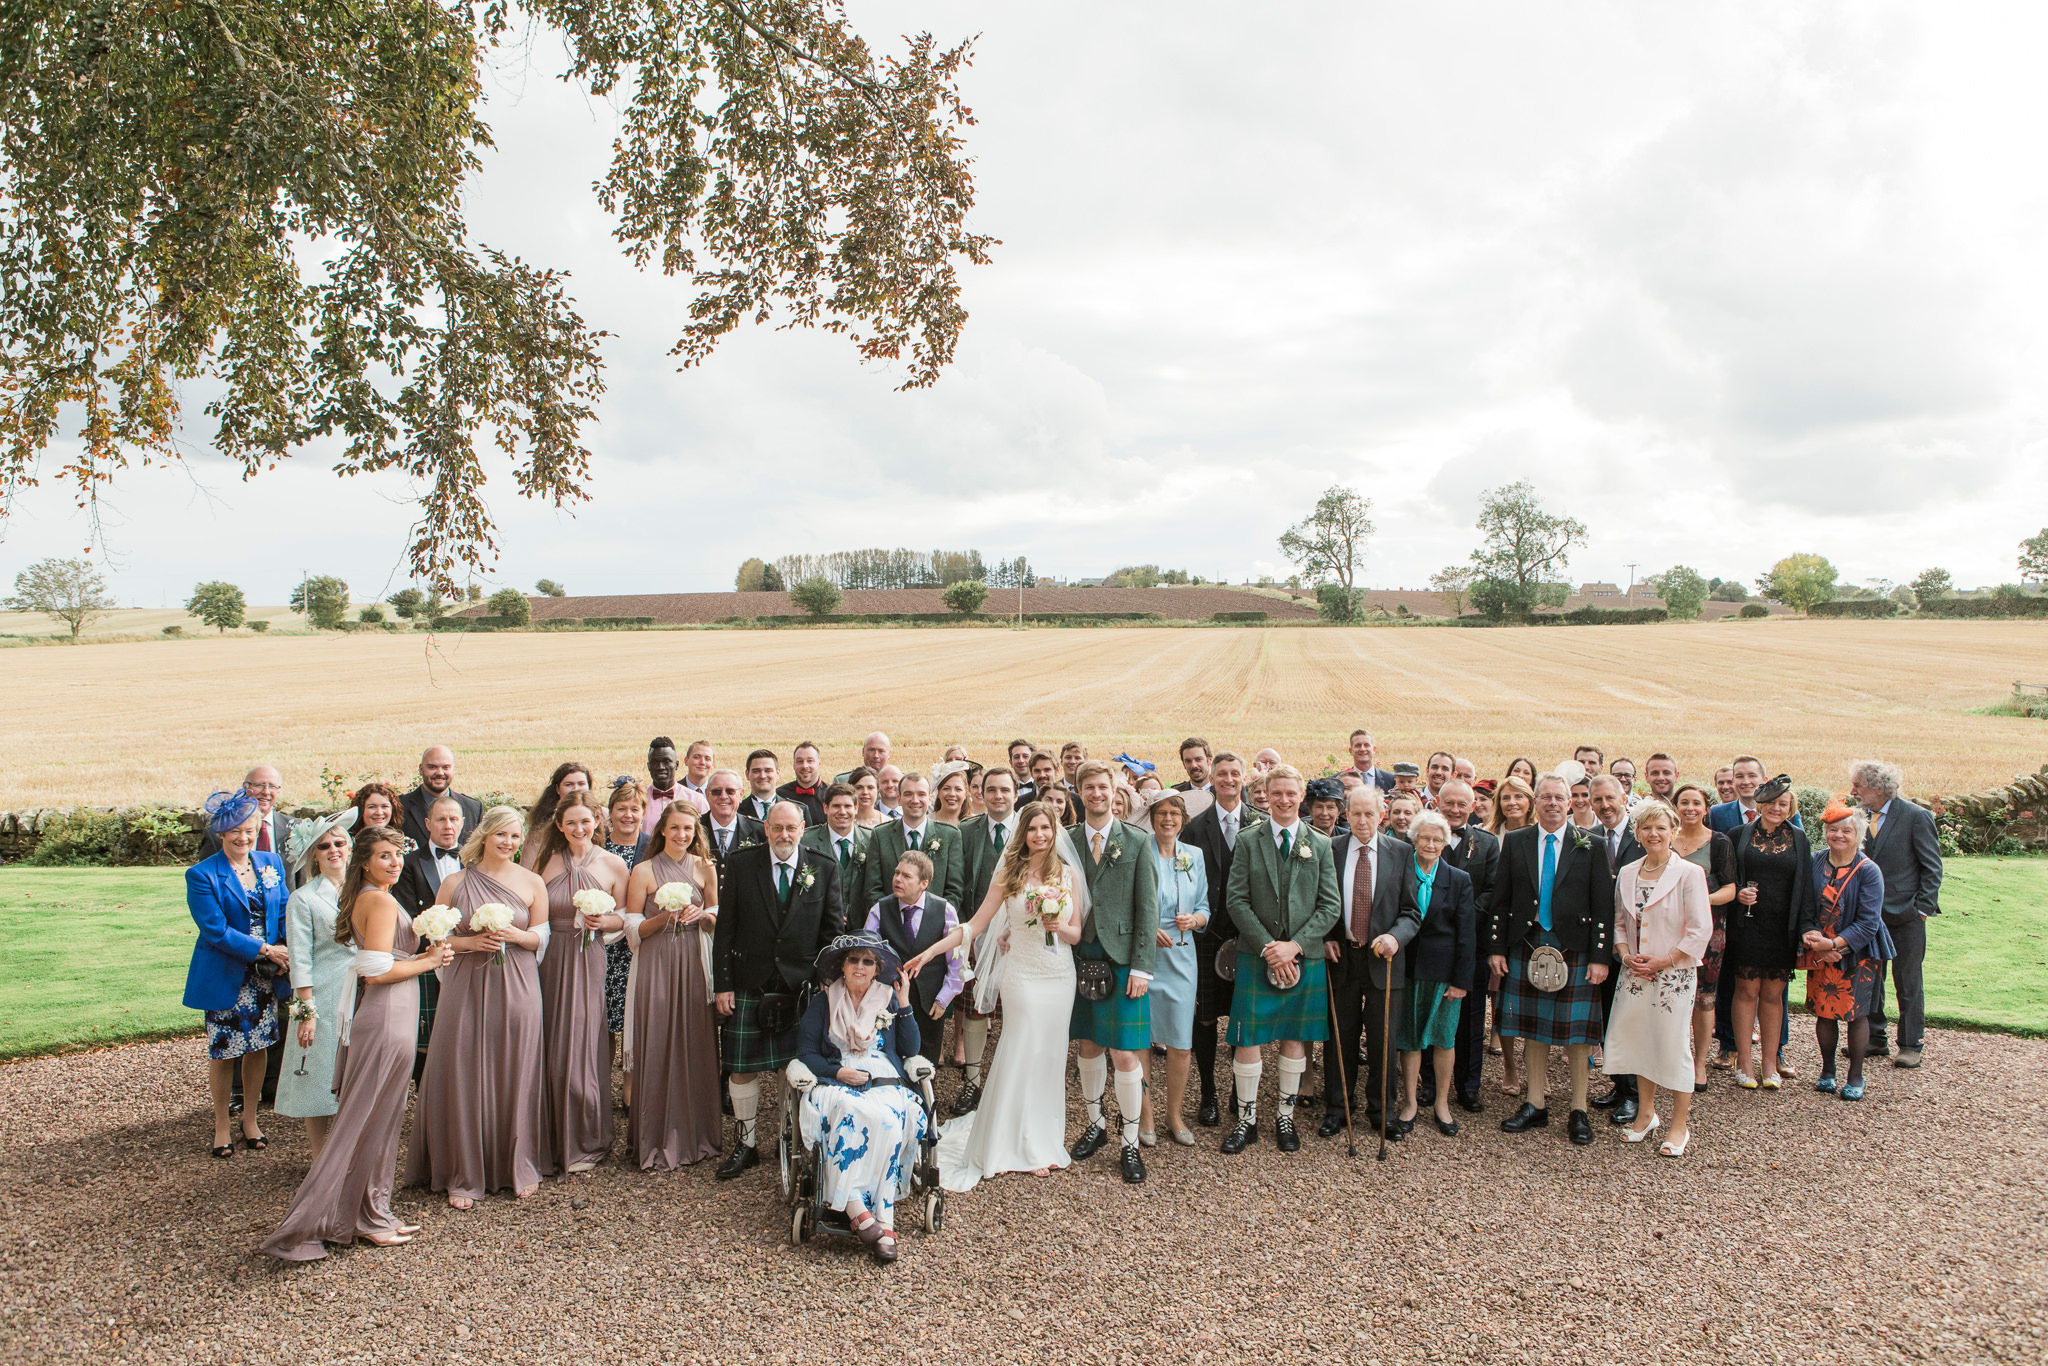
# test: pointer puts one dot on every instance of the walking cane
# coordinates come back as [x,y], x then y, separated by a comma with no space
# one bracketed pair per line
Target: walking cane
[1342,1045]
[1386,1049]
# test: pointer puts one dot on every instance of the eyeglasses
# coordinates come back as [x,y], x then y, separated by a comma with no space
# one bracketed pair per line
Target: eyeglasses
[253,788]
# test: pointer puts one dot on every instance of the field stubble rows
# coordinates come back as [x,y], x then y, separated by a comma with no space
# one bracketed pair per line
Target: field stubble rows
[170,721]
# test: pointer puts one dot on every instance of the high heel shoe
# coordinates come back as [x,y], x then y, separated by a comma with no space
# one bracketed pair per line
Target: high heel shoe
[1638,1135]
[1670,1149]
[1746,1082]
[1770,1083]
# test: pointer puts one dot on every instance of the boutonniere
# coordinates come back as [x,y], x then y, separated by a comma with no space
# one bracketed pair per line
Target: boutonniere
[1183,863]
[934,844]
[860,855]
[1304,850]
[748,843]
[268,877]
[806,877]
[1114,852]
[1580,839]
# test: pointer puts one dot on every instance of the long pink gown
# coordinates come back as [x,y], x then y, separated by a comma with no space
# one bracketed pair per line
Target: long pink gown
[676,1117]
[479,1125]
[578,1050]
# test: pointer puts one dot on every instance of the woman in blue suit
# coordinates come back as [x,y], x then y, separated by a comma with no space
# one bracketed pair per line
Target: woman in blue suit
[237,899]
[1183,913]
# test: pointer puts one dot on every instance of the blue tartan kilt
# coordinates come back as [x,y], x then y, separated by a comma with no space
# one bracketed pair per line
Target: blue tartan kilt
[1569,1015]
[1119,1022]
[745,1047]
[1261,1013]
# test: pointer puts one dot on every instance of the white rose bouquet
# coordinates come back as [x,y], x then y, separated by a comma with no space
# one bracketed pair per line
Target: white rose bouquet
[675,898]
[492,916]
[436,922]
[591,903]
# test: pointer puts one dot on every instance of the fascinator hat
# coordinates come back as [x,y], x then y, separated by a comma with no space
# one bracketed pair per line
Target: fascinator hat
[941,772]
[833,956]
[1138,768]
[1774,789]
[298,845]
[226,810]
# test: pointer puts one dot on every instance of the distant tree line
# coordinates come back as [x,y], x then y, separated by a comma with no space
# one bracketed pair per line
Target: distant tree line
[879,568]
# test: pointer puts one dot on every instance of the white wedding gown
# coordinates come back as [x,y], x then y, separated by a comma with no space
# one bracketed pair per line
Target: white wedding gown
[1021,1123]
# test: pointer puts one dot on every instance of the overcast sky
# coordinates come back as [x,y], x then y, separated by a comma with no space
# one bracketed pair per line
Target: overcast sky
[1723,282]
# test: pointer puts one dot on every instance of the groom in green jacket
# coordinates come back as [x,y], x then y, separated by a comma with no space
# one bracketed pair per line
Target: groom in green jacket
[1122,927]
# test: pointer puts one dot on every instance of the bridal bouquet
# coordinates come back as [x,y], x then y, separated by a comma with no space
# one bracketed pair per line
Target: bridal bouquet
[591,903]
[675,897]
[489,917]
[1048,906]
[436,922]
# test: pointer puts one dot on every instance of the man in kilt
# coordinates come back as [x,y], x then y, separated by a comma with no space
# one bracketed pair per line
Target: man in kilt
[779,906]
[1216,832]
[1122,927]
[1553,889]
[1283,897]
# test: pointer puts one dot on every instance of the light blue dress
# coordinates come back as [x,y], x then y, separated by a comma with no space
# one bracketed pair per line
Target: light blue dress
[1173,968]
[319,962]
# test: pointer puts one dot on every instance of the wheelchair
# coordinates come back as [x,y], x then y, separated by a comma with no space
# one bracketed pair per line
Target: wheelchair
[797,1162]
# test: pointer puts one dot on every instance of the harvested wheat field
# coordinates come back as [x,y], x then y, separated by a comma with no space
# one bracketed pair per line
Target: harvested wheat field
[172,720]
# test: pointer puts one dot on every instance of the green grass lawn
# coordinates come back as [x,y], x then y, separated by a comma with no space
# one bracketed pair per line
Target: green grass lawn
[92,956]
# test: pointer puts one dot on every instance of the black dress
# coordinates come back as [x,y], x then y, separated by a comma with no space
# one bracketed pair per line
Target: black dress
[618,958]
[1761,943]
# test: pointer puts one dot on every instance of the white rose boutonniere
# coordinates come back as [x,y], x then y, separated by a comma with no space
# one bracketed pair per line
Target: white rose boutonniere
[1304,850]
[807,877]
[268,877]
[1114,853]
[933,845]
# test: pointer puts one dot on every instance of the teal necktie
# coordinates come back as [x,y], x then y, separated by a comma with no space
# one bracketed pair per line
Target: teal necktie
[845,852]
[1544,881]
[915,836]
[999,835]
[1285,842]
[782,881]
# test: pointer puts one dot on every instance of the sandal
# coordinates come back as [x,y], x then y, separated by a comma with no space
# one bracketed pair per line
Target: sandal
[1770,1083]
[256,1144]
[885,1246]
[869,1231]
[1670,1149]
[225,1150]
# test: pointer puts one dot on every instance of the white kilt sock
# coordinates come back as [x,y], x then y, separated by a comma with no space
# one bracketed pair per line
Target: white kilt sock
[746,1102]
[1291,1070]
[1094,1072]
[1246,1075]
[1130,1100]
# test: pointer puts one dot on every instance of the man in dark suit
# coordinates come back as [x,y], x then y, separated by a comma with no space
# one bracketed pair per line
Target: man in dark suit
[1617,839]
[1906,848]
[806,788]
[1377,890]
[265,785]
[1477,853]
[437,780]
[914,829]
[419,882]
[1195,758]
[728,830]
[762,770]
[1215,832]
[1362,751]
[778,907]
[1552,890]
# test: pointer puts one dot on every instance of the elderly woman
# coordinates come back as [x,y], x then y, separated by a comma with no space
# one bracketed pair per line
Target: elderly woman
[320,972]
[1255,789]
[1440,961]
[237,899]
[855,1038]
[1183,913]
[1714,855]
[1662,922]
[1774,908]
[1846,948]
[1324,808]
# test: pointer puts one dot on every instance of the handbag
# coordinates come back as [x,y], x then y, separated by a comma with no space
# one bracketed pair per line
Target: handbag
[1094,978]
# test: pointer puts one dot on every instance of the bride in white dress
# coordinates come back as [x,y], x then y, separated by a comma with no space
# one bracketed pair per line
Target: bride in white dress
[1021,1123]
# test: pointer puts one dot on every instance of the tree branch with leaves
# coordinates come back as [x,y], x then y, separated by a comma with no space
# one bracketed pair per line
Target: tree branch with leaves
[1330,542]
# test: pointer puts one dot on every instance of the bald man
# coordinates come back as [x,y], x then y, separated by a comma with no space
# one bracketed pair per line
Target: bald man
[437,780]
[874,754]
[265,785]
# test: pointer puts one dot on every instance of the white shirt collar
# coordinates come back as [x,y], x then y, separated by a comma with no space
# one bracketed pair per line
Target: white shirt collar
[917,829]
[1102,829]
[789,862]
[734,826]
[1553,834]
[1293,832]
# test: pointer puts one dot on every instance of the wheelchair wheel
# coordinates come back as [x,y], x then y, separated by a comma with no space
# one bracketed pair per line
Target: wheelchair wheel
[934,1211]
[787,1153]
[799,1219]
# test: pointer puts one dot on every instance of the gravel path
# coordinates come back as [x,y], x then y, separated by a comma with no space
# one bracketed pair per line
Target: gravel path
[120,1239]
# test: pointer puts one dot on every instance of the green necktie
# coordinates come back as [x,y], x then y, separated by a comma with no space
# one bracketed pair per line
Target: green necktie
[1284,842]
[999,835]
[845,852]
[782,881]
[914,836]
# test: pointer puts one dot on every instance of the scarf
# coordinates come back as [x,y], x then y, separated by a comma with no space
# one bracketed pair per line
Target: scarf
[858,1022]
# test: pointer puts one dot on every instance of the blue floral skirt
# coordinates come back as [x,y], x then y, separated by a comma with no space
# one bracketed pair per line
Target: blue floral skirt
[868,1144]
[249,1025]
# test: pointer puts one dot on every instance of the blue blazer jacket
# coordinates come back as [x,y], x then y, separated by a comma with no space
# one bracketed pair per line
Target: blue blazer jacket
[1726,817]
[227,942]
[899,1039]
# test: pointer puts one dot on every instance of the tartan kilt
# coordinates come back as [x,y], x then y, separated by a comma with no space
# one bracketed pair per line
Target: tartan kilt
[430,999]
[1569,1015]
[1261,1013]
[745,1047]
[1118,1022]
[1212,993]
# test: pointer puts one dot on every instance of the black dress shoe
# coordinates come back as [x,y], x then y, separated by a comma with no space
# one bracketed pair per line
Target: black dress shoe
[1526,1118]
[742,1158]
[1425,1095]
[1580,1127]
[969,1097]
[1396,1130]
[1624,1113]
[1471,1104]
[1332,1125]
[1447,1127]
[1308,1098]
[1090,1143]
[1131,1165]
[1285,1136]
[1241,1136]
[1615,1095]
[1208,1116]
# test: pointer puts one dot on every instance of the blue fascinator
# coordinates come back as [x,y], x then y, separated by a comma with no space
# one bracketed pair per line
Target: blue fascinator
[226,810]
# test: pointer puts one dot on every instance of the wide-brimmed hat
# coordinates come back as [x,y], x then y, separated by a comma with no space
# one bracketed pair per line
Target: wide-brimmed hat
[888,965]
[298,845]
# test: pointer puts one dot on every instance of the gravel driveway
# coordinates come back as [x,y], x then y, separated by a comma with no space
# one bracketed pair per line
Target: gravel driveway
[121,1239]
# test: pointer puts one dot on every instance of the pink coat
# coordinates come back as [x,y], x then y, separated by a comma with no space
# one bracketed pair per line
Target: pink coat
[1678,916]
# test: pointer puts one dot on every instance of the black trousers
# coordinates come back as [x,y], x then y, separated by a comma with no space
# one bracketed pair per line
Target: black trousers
[1469,1063]
[1361,1007]
[1624,1084]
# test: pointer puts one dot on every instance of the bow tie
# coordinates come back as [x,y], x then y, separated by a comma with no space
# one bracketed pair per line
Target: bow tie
[667,792]
[803,791]
[448,855]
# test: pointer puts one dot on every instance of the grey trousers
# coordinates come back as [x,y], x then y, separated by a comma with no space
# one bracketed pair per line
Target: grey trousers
[1910,939]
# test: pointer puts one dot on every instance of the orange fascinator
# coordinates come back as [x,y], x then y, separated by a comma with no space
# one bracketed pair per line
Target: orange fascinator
[1838,809]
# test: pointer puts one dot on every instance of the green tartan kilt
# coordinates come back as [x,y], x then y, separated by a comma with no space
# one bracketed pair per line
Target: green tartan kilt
[1119,1022]
[1262,1013]
[745,1047]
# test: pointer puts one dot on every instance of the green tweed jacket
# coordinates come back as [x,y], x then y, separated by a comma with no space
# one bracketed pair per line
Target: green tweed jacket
[821,838]
[886,845]
[1268,900]
[1123,893]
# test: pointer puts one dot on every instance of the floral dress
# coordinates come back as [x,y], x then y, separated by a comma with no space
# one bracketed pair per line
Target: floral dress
[1841,990]
[250,1024]
[618,958]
